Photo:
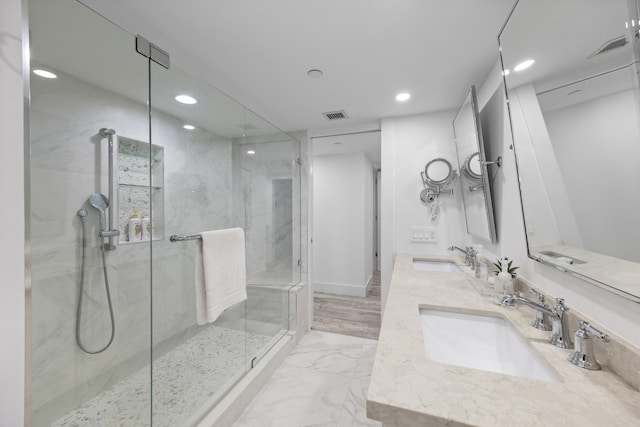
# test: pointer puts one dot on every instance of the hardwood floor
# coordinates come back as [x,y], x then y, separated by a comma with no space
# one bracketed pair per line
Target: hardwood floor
[354,316]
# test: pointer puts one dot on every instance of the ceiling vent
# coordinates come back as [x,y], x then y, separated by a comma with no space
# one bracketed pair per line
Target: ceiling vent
[610,45]
[335,115]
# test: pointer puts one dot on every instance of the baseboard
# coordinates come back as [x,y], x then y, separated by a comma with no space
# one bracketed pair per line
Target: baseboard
[369,280]
[346,289]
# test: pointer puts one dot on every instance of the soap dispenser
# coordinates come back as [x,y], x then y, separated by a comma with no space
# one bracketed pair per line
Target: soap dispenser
[135,227]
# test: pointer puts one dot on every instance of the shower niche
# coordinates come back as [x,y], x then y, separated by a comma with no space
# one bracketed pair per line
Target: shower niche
[140,179]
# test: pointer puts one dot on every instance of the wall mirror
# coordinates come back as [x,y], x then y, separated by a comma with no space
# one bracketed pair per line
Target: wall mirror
[474,178]
[574,108]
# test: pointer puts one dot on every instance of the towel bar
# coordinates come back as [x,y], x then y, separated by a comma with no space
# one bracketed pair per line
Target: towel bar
[176,238]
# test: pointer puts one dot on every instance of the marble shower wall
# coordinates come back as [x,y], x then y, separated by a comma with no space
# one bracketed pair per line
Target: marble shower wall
[68,163]
[303,139]
[267,205]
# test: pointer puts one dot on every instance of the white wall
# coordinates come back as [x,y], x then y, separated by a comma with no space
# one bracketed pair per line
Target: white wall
[12,259]
[342,223]
[552,219]
[588,139]
[607,309]
[408,143]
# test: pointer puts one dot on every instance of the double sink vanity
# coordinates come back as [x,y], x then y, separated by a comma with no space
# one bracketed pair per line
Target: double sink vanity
[448,356]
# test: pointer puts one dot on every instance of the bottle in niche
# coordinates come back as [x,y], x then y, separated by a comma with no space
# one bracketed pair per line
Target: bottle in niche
[135,227]
[147,227]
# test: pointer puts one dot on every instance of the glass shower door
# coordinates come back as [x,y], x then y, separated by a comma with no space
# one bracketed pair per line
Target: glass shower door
[194,365]
[90,334]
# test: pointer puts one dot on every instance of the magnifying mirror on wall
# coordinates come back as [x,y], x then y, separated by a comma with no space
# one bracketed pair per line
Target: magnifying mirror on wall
[437,178]
[438,173]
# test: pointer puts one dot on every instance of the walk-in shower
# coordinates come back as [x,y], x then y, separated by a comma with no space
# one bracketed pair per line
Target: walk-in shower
[113,326]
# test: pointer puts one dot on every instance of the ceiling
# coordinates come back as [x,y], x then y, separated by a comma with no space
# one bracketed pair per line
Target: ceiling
[67,37]
[258,52]
[568,70]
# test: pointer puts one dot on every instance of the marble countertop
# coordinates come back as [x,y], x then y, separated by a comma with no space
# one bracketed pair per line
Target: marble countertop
[409,390]
[621,274]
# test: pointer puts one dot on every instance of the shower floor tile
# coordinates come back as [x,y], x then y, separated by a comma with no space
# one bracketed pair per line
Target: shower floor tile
[185,379]
[323,382]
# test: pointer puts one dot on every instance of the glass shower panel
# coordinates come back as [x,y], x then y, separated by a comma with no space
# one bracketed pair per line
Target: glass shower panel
[267,206]
[90,349]
[194,365]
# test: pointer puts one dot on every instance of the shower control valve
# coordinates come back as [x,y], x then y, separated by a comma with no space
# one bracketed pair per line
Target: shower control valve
[109,233]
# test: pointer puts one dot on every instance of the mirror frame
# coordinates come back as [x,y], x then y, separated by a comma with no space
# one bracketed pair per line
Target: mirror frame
[472,99]
[541,259]
[447,180]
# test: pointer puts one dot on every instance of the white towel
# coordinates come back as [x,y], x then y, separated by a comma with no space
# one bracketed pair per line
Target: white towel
[221,275]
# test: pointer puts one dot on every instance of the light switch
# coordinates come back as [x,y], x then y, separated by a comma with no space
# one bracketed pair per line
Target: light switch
[424,234]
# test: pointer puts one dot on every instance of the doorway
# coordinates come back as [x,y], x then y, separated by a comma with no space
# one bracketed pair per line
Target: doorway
[345,251]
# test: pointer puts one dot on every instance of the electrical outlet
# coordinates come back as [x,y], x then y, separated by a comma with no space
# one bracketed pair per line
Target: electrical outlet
[424,234]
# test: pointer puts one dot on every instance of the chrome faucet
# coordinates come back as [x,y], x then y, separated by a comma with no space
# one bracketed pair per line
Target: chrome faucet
[470,258]
[542,318]
[560,336]
[583,356]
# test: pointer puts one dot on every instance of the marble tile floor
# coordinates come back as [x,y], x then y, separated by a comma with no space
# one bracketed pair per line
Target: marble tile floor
[323,382]
[184,379]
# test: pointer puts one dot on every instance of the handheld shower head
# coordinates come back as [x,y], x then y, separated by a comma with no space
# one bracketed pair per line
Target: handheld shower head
[100,202]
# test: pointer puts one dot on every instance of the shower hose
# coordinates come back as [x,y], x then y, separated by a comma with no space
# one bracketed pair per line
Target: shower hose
[83,216]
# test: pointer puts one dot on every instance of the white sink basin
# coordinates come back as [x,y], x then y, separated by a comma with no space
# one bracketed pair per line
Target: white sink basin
[423,264]
[481,342]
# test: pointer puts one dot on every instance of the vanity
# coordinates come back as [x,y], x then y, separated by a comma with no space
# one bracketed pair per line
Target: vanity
[408,388]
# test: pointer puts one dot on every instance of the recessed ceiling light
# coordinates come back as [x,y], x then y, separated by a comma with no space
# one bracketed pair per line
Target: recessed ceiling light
[44,73]
[315,73]
[506,72]
[251,152]
[189,127]
[404,96]
[186,99]
[524,65]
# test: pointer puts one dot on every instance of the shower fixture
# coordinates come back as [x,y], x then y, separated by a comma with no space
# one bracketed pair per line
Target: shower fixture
[100,202]
[108,232]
